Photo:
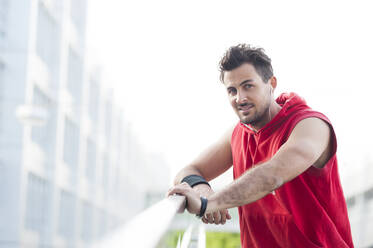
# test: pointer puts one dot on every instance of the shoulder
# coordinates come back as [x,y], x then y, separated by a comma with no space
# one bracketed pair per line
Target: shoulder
[320,135]
[311,120]
[311,125]
[308,113]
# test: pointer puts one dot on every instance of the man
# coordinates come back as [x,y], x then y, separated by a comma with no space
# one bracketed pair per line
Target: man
[286,184]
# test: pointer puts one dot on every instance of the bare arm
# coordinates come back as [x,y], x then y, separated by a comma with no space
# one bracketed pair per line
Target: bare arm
[307,142]
[212,162]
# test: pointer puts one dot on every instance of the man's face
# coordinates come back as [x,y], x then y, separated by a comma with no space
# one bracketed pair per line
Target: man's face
[249,96]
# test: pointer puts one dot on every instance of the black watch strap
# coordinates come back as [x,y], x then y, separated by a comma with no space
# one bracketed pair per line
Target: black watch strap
[194,180]
[203,207]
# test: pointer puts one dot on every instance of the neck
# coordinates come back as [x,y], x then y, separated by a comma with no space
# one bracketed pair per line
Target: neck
[272,111]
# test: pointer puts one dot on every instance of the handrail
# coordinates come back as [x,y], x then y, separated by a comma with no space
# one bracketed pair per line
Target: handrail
[146,229]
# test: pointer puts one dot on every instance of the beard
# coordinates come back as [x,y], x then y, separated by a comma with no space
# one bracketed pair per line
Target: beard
[259,117]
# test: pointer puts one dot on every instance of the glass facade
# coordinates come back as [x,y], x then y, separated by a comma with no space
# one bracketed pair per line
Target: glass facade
[66,220]
[103,222]
[38,203]
[94,95]
[47,41]
[48,198]
[4,5]
[90,168]
[108,121]
[75,75]
[105,174]
[87,222]
[77,13]
[71,144]
[2,69]
[45,136]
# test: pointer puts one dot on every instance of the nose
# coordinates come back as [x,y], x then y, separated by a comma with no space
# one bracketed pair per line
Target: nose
[241,97]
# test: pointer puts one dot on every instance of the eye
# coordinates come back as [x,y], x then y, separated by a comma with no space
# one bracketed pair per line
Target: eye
[248,86]
[232,91]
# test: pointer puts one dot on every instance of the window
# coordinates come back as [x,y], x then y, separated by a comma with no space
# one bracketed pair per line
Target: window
[102,223]
[4,8]
[66,219]
[105,174]
[38,203]
[45,135]
[47,41]
[77,13]
[119,135]
[75,75]
[115,189]
[108,116]
[2,67]
[1,92]
[94,101]
[91,161]
[71,144]
[87,223]
[4,190]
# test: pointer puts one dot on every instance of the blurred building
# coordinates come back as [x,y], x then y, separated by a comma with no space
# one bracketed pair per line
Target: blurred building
[68,161]
[359,197]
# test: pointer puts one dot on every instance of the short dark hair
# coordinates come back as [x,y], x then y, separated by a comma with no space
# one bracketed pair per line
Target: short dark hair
[237,55]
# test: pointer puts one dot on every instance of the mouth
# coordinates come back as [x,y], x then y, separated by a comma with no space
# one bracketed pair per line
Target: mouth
[245,108]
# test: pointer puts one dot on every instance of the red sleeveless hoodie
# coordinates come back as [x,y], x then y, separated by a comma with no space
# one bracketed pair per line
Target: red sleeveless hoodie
[308,211]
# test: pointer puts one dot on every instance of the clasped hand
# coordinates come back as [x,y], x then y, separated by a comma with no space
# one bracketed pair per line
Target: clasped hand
[194,202]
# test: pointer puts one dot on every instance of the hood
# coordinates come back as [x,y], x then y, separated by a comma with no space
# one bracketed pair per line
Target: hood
[289,102]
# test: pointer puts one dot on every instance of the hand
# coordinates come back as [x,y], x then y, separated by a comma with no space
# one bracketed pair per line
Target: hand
[193,198]
[217,217]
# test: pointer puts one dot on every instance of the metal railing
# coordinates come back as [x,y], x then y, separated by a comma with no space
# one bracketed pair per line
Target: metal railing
[193,238]
[146,229]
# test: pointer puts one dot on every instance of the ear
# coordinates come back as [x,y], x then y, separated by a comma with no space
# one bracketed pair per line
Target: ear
[273,83]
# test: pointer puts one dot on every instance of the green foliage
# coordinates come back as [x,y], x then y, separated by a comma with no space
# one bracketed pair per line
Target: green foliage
[170,239]
[222,240]
[213,240]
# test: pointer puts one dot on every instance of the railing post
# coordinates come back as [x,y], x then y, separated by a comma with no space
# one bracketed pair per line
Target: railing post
[187,237]
[201,236]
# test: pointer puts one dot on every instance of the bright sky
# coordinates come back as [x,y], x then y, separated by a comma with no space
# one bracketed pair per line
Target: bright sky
[162,60]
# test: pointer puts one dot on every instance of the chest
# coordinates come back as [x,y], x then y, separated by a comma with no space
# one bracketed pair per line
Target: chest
[250,148]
